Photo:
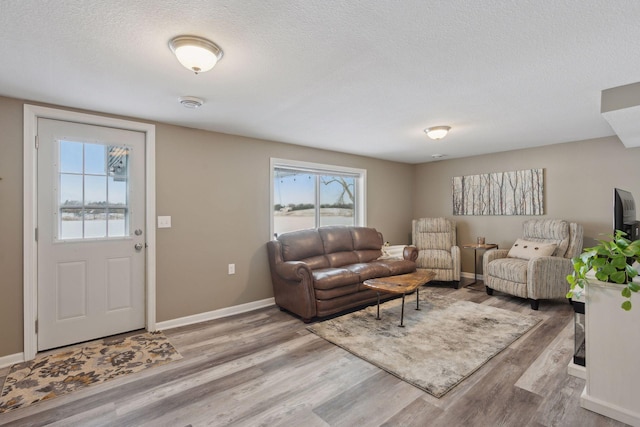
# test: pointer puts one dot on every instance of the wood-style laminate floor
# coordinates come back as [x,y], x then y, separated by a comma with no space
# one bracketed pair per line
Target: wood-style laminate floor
[264,368]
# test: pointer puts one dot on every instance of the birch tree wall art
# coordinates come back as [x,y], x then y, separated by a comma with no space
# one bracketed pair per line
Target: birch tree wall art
[500,193]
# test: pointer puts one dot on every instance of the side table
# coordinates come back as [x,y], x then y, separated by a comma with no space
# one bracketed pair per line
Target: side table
[476,247]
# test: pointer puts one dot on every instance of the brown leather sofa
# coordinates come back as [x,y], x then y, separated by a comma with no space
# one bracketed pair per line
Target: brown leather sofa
[319,272]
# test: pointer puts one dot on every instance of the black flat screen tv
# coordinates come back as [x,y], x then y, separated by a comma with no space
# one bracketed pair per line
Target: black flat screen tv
[624,214]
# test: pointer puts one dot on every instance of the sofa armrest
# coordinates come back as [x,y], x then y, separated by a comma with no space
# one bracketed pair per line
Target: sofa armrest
[293,270]
[292,283]
[410,253]
[547,277]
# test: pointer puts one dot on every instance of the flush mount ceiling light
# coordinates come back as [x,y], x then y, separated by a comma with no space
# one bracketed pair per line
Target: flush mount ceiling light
[437,132]
[191,101]
[195,53]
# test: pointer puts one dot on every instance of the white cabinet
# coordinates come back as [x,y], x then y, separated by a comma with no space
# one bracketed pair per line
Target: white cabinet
[613,351]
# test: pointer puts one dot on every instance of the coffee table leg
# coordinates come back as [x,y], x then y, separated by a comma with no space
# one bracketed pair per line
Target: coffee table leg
[378,316]
[402,313]
[418,298]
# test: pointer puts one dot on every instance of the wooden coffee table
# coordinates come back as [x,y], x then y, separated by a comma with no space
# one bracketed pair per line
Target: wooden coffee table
[402,284]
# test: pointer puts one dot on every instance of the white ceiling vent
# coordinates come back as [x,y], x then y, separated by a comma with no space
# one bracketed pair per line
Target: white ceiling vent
[620,106]
[191,101]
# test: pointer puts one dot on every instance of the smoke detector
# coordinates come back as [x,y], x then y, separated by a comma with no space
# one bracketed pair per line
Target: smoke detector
[191,102]
[437,156]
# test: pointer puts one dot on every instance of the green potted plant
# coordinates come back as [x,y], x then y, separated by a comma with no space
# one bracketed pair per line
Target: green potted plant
[610,261]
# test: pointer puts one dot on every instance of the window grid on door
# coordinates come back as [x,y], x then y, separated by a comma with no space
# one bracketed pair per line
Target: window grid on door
[93,189]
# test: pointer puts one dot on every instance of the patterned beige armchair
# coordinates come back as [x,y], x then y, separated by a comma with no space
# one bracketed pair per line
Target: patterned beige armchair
[537,265]
[435,239]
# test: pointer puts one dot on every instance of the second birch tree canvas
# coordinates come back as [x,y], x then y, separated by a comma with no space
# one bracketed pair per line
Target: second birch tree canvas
[499,193]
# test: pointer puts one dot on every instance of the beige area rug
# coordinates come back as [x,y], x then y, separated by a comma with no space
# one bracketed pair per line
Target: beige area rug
[77,367]
[440,345]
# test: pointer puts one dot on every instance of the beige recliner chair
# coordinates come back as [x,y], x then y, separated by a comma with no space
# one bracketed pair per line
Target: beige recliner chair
[435,239]
[537,265]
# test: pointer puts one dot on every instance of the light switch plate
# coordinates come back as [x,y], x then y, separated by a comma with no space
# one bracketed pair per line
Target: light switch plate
[164,222]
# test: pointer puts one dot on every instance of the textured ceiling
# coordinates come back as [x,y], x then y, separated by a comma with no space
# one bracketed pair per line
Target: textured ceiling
[358,76]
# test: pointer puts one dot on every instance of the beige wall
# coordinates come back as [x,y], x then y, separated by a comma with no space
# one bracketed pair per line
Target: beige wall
[579,182]
[216,189]
[11,331]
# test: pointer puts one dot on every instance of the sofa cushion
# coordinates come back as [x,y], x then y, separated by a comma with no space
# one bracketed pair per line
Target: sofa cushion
[338,259]
[368,270]
[367,255]
[511,269]
[366,238]
[329,278]
[326,294]
[356,299]
[297,245]
[525,249]
[336,239]
[317,262]
[396,266]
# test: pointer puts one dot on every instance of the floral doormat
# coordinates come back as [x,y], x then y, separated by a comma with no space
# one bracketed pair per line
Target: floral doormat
[77,367]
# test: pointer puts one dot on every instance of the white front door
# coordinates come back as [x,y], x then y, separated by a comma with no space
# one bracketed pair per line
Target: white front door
[91,232]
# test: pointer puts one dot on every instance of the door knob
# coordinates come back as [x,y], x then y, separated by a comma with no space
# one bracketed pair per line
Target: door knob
[138,246]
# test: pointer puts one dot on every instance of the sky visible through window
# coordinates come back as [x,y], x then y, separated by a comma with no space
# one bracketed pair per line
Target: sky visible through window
[303,199]
[299,188]
[95,166]
[92,190]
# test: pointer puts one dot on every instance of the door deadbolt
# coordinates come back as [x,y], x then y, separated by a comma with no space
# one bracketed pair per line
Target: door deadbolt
[138,232]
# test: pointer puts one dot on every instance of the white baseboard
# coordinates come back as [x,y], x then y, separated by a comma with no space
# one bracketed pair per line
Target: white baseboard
[11,359]
[609,409]
[215,314]
[470,275]
[169,324]
[577,370]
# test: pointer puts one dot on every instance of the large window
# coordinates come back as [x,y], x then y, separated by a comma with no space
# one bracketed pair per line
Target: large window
[309,195]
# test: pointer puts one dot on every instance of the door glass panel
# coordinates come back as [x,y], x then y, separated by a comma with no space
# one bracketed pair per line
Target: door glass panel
[95,223]
[117,192]
[94,162]
[116,223]
[70,157]
[71,223]
[70,190]
[119,163]
[93,191]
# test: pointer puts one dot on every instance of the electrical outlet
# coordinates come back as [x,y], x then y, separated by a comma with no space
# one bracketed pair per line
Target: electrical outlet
[232,269]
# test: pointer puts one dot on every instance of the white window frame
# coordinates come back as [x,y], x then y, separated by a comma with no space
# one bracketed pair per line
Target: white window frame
[361,185]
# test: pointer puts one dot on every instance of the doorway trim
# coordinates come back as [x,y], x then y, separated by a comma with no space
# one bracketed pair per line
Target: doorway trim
[30,211]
